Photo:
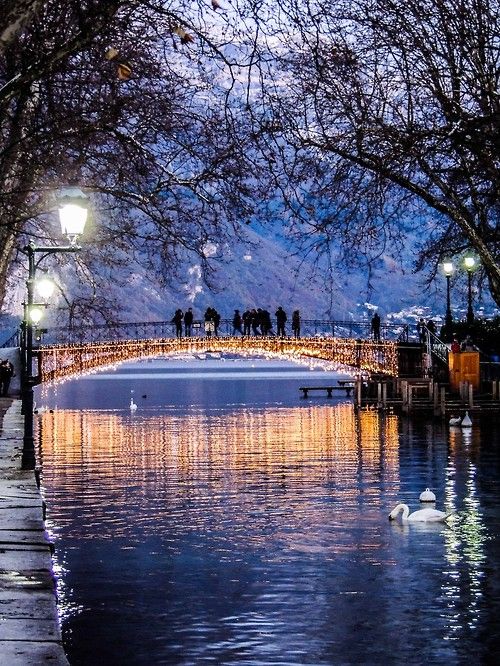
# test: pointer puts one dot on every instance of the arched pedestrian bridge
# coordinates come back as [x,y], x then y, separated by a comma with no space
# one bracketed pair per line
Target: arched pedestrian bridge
[61,361]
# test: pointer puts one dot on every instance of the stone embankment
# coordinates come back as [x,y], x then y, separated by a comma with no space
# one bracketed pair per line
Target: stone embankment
[29,627]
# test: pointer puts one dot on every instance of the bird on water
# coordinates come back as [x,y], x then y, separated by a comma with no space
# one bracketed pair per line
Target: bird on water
[420,516]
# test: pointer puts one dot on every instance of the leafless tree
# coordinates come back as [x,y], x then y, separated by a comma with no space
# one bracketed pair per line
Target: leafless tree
[127,99]
[390,110]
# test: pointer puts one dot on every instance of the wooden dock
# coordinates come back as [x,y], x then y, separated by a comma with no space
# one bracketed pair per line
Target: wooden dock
[424,395]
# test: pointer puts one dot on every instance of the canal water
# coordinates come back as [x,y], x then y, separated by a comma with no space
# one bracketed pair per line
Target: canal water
[229,521]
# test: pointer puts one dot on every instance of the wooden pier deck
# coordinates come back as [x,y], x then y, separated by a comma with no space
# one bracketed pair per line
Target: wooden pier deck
[418,395]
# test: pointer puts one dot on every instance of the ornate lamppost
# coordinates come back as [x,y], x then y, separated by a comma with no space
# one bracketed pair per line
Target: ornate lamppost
[470,265]
[448,269]
[73,209]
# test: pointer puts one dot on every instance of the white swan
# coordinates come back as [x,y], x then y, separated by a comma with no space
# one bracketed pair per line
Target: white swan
[420,516]
[133,406]
[455,421]
[466,421]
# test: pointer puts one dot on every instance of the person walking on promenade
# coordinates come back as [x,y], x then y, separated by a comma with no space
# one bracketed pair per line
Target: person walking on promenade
[296,324]
[376,327]
[188,322]
[6,374]
[177,320]
[237,323]
[280,322]
[247,321]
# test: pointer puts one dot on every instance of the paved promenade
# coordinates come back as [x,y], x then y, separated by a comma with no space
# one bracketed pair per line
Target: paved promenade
[29,626]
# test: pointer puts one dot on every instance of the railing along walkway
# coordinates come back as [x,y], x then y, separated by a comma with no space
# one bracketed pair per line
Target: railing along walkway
[166,329]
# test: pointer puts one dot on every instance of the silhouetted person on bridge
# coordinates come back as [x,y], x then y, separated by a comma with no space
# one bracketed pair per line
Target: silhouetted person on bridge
[266,324]
[255,320]
[376,327]
[177,320]
[237,323]
[280,322]
[188,322]
[216,320]
[209,322]
[421,331]
[296,324]
[247,322]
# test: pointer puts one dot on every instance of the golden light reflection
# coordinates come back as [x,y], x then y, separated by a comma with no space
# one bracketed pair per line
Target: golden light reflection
[236,464]
[61,362]
[466,538]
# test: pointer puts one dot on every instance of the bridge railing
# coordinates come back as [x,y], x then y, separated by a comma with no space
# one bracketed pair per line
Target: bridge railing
[166,329]
[13,340]
[436,347]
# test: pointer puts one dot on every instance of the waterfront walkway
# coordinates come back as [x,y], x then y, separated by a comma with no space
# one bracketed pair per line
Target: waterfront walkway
[29,625]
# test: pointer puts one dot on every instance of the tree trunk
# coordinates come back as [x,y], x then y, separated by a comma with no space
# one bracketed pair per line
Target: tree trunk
[7,244]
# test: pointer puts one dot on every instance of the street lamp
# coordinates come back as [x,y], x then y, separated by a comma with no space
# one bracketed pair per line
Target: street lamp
[73,209]
[470,264]
[448,269]
[45,287]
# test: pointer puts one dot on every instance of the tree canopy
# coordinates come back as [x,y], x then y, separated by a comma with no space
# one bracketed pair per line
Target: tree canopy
[391,110]
[126,99]
[365,122]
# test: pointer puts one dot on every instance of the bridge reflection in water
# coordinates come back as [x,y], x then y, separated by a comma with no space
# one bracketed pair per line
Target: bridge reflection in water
[305,435]
[260,536]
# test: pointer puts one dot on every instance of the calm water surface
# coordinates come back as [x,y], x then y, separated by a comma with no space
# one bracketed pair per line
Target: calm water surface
[229,521]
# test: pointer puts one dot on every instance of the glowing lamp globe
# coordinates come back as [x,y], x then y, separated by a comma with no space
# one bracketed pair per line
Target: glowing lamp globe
[469,263]
[35,314]
[45,287]
[73,211]
[448,268]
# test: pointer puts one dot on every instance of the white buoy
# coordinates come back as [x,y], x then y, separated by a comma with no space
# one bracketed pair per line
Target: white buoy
[427,496]
[466,421]
[455,421]
[133,406]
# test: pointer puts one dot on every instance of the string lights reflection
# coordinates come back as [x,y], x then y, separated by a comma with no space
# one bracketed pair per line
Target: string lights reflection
[466,539]
[220,457]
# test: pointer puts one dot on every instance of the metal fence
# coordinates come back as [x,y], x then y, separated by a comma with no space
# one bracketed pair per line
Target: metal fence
[166,329]
[13,341]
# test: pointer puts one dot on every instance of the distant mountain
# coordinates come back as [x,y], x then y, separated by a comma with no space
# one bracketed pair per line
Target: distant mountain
[260,272]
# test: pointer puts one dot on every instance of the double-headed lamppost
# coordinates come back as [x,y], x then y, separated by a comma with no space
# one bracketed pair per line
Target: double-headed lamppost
[73,209]
[448,269]
[470,265]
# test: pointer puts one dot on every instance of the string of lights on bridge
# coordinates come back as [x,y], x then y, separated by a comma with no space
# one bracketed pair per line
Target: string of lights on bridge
[60,362]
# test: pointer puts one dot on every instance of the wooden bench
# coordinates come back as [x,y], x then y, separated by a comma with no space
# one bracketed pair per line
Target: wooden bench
[346,383]
[341,386]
